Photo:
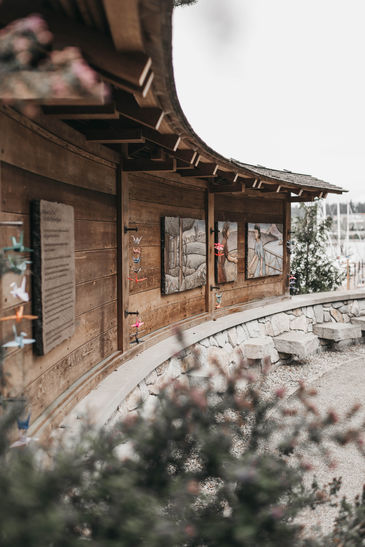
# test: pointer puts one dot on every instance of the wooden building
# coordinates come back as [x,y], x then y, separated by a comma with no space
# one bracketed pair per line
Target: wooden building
[127,163]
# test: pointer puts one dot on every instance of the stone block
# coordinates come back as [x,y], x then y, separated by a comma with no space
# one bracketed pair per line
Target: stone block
[298,344]
[242,334]
[174,369]
[143,390]
[337,305]
[205,343]
[318,313]
[232,336]
[133,400]
[279,323]
[337,315]
[151,378]
[212,341]
[299,323]
[337,331]
[255,329]
[326,316]
[258,348]
[221,338]
[355,308]
[297,312]
[309,312]
[359,321]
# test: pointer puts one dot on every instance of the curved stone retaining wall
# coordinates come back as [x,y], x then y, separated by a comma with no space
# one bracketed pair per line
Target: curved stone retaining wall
[223,339]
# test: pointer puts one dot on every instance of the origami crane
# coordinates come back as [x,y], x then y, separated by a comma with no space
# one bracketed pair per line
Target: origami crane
[19,340]
[19,315]
[137,250]
[19,292]
[18,266]
[18,246]
[22,441]
[219,248]
[136,279]
[138,324]
[137,239]
[23,425]
[136,259]
[218,298]
[137,270]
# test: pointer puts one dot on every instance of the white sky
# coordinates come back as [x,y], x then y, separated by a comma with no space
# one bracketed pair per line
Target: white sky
[279,83]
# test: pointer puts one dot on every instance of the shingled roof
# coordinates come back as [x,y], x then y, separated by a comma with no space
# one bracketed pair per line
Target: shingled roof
[286,176]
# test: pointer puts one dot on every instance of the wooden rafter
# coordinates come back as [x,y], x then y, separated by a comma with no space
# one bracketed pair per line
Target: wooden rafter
[120,136]
[128,107]
[147,166]
[82,112]
[204,170]
[234,188]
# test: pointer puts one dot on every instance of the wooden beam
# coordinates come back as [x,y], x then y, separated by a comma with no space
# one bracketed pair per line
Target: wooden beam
[122,257]
[237,188]
[205,170]
[186,156]
[82,112]
[302,199]
[114,136]
[170,142]
[209,295]
[286,255]
[229,176]
[149,166]
[128,107]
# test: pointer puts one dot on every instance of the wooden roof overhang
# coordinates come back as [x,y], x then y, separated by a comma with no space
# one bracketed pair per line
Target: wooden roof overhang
[128,43]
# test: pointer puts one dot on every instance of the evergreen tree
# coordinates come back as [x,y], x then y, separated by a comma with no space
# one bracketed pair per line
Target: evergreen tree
[312,268]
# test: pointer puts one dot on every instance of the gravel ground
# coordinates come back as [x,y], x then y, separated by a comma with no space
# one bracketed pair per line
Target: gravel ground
[339,379]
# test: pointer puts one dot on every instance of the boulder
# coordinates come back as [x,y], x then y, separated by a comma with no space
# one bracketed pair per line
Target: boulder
[258,348]
[297,344]
[318,312]
[337,331]
[279,323]
[360,321]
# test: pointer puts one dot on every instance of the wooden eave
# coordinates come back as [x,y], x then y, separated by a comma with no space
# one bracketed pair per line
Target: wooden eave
[129,44]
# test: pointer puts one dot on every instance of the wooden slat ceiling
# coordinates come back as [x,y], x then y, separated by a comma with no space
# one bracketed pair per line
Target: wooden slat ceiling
[129,43]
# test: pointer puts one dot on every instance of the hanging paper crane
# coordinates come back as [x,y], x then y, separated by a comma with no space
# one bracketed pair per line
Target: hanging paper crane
[137,250]
[18,246]
[136,280]
[138,324]
[23,425]
[19,340]
[218,298]
[19,315]
[19,292]
[137,259]
[137,239]
[22,441]
[219,248]
[18,266]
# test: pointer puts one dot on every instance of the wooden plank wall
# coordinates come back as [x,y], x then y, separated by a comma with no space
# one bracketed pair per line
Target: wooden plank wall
[152,197]
[34,166]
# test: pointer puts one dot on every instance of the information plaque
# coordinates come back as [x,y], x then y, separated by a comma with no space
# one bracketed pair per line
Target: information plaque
[53,282]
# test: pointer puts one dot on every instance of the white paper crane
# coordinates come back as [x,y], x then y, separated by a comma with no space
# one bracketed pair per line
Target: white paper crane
[19,292]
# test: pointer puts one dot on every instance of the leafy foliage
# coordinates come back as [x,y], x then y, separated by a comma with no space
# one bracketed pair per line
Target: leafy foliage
[211,466]
[29,67]
[311,267]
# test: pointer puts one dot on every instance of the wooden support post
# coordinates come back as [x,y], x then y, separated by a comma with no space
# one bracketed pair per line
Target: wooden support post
[209,295]
[122,257]
[286,255]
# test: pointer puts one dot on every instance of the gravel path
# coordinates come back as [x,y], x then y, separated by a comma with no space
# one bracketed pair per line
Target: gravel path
[339,379]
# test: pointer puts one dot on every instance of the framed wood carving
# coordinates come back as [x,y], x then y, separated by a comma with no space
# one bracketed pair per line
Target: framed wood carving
[264,249]
[183,243]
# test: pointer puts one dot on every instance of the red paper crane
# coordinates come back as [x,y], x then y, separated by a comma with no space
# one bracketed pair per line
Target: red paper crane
[136,279]
[138,324]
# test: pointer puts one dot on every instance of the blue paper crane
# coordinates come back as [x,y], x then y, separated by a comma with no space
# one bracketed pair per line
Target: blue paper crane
[19,340]
[18,246]
[18,266]
[23,425]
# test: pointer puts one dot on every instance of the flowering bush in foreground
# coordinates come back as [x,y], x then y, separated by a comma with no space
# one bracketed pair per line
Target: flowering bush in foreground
[207,468]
